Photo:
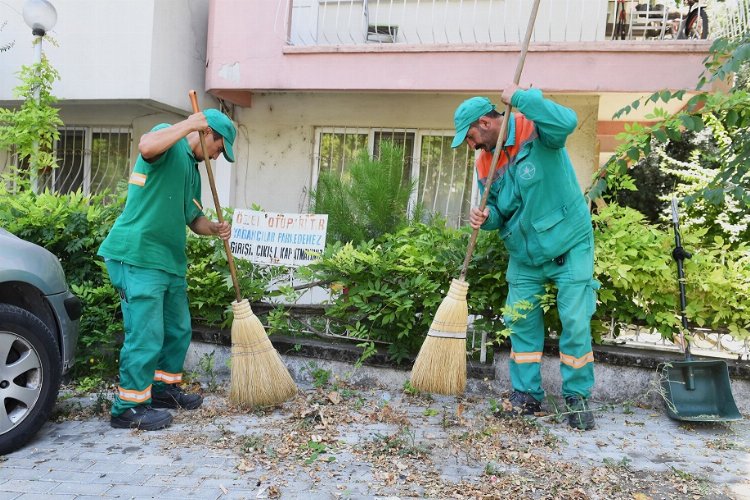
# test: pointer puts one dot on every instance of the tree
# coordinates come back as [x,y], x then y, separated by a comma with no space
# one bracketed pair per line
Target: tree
[726,116]
[32,129]
[369,199]
[700,154]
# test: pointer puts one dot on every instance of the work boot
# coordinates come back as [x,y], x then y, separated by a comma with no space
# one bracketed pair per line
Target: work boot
[580,415]
[519,403]
[174,397]
[144,418]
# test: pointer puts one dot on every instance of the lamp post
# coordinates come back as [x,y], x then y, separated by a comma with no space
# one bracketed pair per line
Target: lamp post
[40,16]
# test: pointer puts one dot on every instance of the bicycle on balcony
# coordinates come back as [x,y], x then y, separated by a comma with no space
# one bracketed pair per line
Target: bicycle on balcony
[695,24]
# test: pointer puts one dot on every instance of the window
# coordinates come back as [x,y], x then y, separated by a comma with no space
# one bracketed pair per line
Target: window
[444,176]
[91,159]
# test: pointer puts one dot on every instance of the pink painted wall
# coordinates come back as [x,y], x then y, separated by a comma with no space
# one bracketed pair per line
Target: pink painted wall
[247,52]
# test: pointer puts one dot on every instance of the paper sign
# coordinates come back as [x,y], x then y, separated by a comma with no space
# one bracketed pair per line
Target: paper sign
[278,239]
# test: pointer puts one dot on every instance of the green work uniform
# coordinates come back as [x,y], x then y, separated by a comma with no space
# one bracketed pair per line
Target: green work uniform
[145,257]
[537,205]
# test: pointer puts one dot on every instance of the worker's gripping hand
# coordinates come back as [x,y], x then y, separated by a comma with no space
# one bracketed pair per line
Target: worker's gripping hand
[222,229]
[197,121]
[477,217]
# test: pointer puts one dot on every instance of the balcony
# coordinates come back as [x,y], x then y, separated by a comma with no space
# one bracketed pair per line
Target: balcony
[427,22]
[442,46]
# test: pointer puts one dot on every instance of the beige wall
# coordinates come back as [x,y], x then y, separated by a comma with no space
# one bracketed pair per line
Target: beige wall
[277,135]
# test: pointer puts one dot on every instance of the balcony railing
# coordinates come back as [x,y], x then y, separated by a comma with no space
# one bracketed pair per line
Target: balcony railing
[451,22]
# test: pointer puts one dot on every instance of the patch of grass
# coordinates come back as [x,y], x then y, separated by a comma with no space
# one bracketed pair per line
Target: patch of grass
[252,443]
[403,443]
[623,463]
[320,376]
[315,450]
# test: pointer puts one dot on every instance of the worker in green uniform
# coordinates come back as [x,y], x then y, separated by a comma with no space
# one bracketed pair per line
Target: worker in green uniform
[536,203]
[145,257]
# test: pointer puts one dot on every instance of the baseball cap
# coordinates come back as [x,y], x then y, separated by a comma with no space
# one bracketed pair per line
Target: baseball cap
[467,113]
[221,124]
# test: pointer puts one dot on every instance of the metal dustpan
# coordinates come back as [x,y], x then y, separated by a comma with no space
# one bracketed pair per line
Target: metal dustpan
[696,391]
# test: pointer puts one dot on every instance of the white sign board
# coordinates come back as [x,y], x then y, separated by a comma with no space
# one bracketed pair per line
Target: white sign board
[278,239]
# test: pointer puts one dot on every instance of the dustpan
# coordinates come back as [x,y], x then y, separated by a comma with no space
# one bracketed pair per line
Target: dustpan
[696,391]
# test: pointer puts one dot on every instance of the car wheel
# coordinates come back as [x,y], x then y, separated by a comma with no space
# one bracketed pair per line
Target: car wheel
[29,376]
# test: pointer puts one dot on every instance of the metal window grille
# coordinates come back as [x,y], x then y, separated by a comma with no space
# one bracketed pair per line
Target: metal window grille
[446,178]
[445,183]
[91,159]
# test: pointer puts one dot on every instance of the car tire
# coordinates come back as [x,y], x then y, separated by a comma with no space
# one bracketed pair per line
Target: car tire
[30,372]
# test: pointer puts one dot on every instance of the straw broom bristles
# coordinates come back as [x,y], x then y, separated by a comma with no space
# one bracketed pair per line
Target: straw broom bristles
[440,366]
[259,377]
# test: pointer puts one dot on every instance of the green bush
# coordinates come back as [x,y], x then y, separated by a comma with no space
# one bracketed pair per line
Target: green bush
[72,226]
[639,277]
[394,285]
[210,288]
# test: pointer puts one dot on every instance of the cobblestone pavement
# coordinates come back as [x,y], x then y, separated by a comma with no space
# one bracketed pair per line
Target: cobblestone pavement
[346,442]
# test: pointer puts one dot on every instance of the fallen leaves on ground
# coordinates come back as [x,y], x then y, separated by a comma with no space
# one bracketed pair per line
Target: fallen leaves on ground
[356,443]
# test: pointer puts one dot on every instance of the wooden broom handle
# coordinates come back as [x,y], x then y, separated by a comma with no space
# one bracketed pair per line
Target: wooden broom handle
[217,205]
[501,136]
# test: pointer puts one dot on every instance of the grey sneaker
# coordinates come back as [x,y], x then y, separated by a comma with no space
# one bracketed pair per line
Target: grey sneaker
[174,397]
[580,415]
[519,403]
[141,417]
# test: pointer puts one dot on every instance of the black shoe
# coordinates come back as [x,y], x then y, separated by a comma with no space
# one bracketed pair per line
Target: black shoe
[174,397]
[580,415]
[519,403]
[142,417]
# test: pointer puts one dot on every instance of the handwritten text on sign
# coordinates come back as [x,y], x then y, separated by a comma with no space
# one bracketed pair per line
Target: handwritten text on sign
[278,239]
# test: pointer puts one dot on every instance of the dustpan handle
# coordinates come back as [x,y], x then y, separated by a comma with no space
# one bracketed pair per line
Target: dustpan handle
[219,215]
[679,254]
[501,137]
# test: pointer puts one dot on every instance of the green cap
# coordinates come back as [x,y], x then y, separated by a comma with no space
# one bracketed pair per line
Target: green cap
[467,113]
[221,124]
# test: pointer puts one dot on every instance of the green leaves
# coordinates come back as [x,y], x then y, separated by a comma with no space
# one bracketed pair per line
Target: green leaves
[33,128]
[639,276]
[725,115]
[367,201]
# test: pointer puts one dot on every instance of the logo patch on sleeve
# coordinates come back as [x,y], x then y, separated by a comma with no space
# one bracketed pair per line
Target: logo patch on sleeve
[137,179]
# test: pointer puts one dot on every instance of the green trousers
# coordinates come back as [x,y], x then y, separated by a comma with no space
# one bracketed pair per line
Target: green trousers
[156,315]
[576,303]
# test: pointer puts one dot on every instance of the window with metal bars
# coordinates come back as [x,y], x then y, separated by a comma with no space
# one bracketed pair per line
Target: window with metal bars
[444,176]
[93,159]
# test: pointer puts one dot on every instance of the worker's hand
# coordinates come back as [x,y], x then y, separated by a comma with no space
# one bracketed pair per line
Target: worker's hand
[508,92]
[197,121]
[222,229]
[477,217]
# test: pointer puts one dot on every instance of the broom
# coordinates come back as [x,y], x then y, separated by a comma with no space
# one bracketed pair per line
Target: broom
[259,377]
[440,366]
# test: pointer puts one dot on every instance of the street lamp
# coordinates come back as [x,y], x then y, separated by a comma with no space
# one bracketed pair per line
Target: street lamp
[40,16]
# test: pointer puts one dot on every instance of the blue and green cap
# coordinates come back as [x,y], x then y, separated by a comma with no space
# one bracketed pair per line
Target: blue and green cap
[221,124]
[467,113]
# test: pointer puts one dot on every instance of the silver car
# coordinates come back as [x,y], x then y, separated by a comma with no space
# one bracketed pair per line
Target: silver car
[39,319]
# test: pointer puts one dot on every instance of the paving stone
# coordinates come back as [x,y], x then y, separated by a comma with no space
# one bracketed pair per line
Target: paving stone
[28,486]
[77,488]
